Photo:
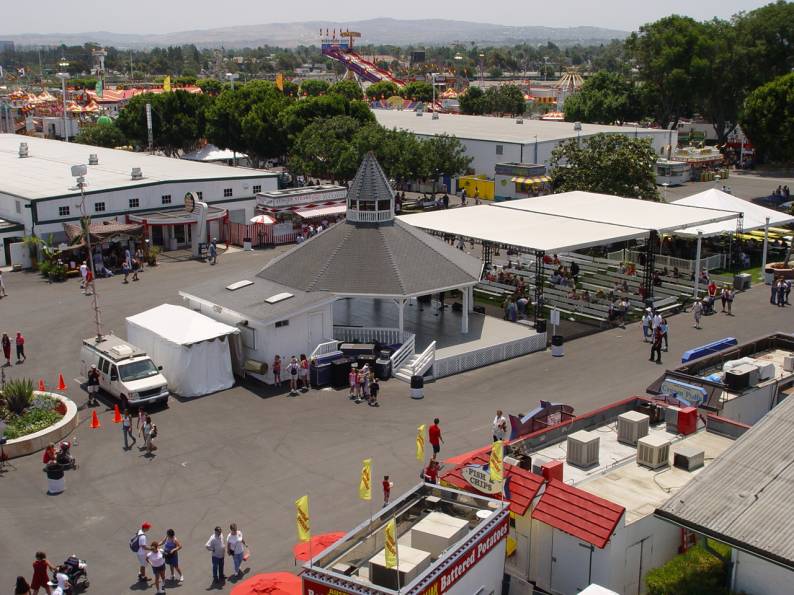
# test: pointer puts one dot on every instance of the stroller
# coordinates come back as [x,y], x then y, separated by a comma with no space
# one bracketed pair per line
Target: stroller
[74,568]
[64,457]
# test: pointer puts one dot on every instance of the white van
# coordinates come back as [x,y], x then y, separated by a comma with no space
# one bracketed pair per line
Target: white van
[125,371]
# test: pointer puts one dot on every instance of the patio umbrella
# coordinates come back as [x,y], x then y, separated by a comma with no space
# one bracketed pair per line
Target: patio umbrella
[318,543]
[266,219]
[272,583]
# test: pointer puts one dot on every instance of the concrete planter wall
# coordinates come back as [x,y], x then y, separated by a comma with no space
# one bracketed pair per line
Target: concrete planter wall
[19,447]
[785,273]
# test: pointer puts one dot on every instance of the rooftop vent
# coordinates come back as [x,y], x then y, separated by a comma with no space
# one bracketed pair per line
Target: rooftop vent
[632,426]
[519,120]
[137,174]
[279,297]
[583,449]
[689,458]
[23,150]
[239,285]
[420,114]
[653,452]
[93,159]
[435,115]
[122,350]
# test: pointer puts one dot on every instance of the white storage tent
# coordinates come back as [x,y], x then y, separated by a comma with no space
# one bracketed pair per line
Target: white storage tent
[193,349]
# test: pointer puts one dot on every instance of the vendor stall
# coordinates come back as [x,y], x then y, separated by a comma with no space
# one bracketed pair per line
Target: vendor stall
[194,350]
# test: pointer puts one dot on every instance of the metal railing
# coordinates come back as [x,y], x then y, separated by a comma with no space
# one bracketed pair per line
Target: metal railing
[325,349]
[715,261]
[369,216]
[408,349]
[364,334]
[425,360]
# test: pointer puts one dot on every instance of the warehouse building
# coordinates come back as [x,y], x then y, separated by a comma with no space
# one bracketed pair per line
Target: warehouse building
[38,193]
[490,140]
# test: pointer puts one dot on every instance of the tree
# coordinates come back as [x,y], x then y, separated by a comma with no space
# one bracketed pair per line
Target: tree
[607,164]
[382,89]
[765,41]
[178,120]
[445,155]
[672,58]
[768,119]
[418,91]
[350,90]
[473,101]
[247,120]
[314,87]
[101,135]
[324,149]
[302,113]
[506,99]
[605,98]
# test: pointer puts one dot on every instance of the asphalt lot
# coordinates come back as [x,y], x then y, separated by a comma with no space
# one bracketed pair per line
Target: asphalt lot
[244,455]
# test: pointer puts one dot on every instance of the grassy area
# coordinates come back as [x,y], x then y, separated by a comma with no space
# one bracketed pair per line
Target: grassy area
[722,276]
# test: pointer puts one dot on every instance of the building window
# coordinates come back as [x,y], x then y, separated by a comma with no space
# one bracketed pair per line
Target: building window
[18,207]
[500,149]
[63,211]
[227,192]
[200,195]
[135,203]
[166,199]
[99,207]
[281,323]
[257,189]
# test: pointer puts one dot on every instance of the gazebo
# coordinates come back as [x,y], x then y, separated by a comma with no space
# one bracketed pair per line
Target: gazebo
[373,255]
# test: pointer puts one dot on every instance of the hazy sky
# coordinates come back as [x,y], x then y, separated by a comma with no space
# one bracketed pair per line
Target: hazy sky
[161,16]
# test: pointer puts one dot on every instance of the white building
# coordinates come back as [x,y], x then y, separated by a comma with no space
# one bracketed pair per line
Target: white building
[38,191]
[490,140]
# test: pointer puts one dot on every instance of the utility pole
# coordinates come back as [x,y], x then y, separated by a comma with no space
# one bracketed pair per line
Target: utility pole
[149,126]
[79,171]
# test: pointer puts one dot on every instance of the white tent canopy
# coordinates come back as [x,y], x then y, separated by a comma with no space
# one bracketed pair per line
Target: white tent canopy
[193,349]
[567,221]
[629,212]
[754,215]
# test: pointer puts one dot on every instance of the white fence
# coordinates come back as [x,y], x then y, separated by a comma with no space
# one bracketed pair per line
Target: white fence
[408,348]
[715,261]
[488,355]
[325,349]
[363,334]
[425,361]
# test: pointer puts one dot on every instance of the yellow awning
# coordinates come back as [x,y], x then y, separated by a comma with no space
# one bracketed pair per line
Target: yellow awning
[534,181]
[518,180]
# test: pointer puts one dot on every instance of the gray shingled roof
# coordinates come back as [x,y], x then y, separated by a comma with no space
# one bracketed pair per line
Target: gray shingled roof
[390,260]
[370,183]
[745,497]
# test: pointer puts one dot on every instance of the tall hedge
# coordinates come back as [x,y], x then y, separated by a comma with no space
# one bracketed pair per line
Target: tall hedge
[695,572]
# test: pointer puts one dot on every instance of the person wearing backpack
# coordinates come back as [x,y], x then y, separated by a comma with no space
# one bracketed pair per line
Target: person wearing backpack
[138,544]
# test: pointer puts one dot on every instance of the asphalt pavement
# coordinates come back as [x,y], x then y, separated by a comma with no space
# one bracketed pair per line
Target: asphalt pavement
[244,455]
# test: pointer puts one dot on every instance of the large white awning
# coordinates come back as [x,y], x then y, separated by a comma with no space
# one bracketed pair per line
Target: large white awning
[754,215]
[629,212]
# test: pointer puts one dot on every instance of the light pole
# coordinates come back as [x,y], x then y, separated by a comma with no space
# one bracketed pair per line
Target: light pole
[230,76]
[78,172]
[63,75]
[482,75]
[665,185]
[433,84]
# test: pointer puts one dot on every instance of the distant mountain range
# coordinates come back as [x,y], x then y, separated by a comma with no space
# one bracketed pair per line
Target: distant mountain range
[374,31]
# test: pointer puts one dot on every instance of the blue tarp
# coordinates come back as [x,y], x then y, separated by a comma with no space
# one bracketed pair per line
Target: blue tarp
[708,349]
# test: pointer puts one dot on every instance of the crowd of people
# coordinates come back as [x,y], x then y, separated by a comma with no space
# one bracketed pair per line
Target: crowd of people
[363,385]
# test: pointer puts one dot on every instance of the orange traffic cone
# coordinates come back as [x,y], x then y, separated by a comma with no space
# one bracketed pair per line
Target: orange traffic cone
[61,383]
[116,415]
[95,425]
[42,387]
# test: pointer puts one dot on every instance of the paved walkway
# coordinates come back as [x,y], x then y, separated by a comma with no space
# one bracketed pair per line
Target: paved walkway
[244,455]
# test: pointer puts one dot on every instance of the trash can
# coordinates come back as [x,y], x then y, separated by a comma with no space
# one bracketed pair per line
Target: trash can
[340,368]
[417,387]
[55,482]
[320,374]
[540,325]
[247,244]
[383,366]
[742,281]
[557,349]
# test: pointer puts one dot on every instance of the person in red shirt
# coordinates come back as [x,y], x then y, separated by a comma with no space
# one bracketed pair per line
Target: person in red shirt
[387,486]
[434,436]
[49,454]
[431,472]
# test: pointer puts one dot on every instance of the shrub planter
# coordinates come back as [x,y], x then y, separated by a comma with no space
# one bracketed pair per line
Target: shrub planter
[19,447]
[776,269]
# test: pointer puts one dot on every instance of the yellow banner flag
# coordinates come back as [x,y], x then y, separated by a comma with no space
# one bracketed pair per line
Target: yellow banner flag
[167,84]
[420,443]
[495,464]
[302,518]
[390,541]
[365,485]
[280,82]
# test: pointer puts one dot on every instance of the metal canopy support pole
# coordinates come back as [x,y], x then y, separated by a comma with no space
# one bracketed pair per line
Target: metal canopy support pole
[766,246]
[487,255]
[697,265]
[650,264]
[538,309]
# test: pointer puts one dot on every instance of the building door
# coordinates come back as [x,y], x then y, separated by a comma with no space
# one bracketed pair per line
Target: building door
[638,557]
[570,564]
[315,329]
[157,235]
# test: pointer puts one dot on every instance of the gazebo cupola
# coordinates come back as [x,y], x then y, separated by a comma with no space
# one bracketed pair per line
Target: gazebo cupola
[370,199]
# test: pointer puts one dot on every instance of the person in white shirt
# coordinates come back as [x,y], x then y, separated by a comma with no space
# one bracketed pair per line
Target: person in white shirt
[656,321]
[83,275]
[499,426]
[215,546]
[236,546]
[62,581]
[142,551]
[157,561]
[646,325]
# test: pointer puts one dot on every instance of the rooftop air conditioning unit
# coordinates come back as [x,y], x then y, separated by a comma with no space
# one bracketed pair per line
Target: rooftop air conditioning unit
[671,419]
[137,174]
[788,363]
[742,377]
[689,458]
[435,115]
[93,159]
[632,426]
[653,452]
[583,449]
[519,120]
[23,150]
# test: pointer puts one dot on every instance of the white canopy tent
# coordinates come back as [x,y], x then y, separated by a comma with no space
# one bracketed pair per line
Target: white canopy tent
[193,349]
[754,216]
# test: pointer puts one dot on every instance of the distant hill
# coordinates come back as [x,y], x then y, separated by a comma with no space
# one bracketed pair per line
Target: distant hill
[374,31]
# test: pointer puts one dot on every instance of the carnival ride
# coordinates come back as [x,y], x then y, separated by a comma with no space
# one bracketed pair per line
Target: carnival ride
[339,47]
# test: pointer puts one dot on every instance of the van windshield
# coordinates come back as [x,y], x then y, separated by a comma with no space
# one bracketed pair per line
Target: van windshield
[144,368]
